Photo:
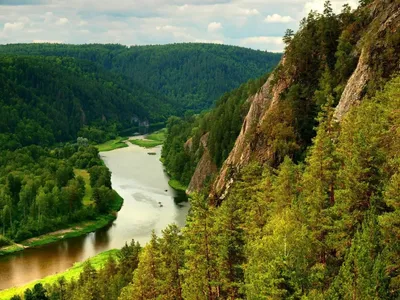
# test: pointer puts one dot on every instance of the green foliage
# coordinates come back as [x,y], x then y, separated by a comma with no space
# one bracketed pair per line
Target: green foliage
[192,76]
[45,100]
[40,192]
[319,219]
[222,124]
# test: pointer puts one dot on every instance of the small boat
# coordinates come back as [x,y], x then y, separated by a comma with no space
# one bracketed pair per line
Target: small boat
[151,153]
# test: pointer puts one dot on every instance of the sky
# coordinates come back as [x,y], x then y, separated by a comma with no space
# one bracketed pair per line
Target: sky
[256,24]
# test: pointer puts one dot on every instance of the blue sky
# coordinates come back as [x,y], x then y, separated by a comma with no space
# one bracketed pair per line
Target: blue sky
[257,24]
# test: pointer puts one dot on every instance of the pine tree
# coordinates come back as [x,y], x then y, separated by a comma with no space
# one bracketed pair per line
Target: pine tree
[318,182]
[285,186]
[172,255]
[199,271]
[230,247]
[147,277]
[390,223]
[362,275]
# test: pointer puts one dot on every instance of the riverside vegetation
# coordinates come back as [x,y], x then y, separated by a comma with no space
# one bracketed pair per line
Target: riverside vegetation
[44,190]
[53,94]
[312,210]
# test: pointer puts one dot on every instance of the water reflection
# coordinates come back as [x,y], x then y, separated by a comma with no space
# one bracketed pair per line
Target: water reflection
[140,179]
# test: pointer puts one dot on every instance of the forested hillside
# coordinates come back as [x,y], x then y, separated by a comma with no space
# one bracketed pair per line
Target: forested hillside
[183,149]
[44,100]
[305,202]
[301,197]
[192,76]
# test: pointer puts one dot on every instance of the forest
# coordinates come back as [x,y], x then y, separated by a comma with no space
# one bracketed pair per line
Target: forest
[57,101]
[311,210]
[192,76]
[55,93]
[42,190]
[47,100]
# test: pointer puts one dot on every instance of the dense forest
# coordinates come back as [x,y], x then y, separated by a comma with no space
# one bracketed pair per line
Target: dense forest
[44,100]
[192,76]
[223,124]
[314,211]
[280,234]
[42,190]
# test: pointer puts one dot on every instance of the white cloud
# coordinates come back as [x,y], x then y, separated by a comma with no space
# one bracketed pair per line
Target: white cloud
[270,43]
[251,12]
[263,40]
[48,17]
[83,23]
[138,22]
[318,5]
[48,41]
[209,41]
[62,21]
[275,18]
[13,26]
[214,26]
[183,7]
[167,28]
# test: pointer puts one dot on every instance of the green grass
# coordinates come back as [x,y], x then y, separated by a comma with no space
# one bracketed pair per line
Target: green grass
[146,143]
[112,145]
[176,185]
[77,229]
[158,135]
[10,249]
[97,262]
[87,199]
[152,140]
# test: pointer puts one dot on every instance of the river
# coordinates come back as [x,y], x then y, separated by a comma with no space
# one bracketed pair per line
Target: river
[149,204]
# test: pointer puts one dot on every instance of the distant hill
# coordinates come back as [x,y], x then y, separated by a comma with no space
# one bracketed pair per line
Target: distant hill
[44,100]
[192,76]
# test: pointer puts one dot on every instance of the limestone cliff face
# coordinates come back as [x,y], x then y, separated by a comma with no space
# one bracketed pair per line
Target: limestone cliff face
[353,91]
[386,21]
[252,144]
[205,168]
[246,146]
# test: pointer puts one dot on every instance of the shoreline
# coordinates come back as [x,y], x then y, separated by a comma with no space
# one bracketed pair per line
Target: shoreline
[97,262]
[71,231]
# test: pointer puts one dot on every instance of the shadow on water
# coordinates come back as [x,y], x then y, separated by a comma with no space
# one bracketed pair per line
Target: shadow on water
[180,198]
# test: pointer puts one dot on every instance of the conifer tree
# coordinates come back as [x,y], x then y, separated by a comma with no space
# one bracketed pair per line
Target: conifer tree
[318,181]
[172,255]
[200,272]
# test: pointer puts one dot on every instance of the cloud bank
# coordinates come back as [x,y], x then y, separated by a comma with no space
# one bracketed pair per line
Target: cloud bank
[258,24]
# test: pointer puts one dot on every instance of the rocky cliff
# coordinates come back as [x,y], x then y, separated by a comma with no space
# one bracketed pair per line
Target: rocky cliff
[386,22]
[253,141]
[206,168]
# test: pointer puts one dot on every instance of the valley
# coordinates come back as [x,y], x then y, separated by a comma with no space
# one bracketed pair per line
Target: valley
[141,181]
[276,176]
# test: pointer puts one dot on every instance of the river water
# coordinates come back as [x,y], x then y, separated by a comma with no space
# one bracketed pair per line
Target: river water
[149,204]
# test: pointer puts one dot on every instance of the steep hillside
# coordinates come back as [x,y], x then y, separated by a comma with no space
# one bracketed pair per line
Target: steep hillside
[332,56]
[280,121]
[192,76]
[306,201]
[44,100]
[207,137]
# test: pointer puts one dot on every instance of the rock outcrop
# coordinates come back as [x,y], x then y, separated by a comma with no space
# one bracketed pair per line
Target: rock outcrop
[253,144]
[354,89]
[246,145]
[205,169]
[386,21]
